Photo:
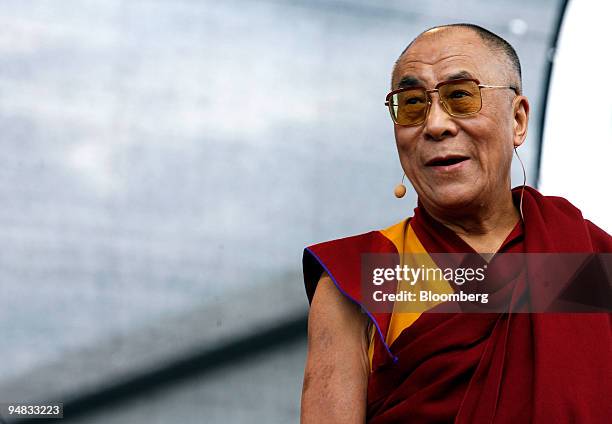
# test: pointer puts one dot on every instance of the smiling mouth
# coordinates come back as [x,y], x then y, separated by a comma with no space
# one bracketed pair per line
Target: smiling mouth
[446,160]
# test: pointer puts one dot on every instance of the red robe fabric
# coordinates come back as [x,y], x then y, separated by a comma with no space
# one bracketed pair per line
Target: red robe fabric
[485,367]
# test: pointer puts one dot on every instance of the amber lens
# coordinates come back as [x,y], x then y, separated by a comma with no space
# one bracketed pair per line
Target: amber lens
[409,107]
[461,98]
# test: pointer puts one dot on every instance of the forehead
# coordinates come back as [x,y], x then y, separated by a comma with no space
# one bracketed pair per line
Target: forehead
[439,54]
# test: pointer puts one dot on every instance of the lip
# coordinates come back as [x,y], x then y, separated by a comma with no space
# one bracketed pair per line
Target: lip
[459,162]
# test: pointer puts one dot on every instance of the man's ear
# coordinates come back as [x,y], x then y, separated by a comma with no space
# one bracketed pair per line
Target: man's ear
[520,108]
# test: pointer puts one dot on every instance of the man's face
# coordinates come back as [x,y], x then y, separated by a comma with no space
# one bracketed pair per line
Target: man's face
[457,162]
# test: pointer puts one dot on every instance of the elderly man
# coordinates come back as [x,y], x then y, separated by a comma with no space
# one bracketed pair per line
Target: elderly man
[458,116]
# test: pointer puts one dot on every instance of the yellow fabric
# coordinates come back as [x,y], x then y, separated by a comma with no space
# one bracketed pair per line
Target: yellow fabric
[414,255]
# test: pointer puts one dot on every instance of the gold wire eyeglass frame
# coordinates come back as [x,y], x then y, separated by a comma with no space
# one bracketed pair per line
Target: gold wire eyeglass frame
[444,105]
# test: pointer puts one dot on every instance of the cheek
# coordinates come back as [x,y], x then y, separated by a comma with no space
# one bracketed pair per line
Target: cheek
[407,147]
[492,141]
[405,139]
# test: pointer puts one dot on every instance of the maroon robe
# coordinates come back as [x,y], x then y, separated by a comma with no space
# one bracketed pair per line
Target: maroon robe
[485,367]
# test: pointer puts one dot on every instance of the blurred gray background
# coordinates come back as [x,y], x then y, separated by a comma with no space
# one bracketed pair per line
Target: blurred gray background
[163,165]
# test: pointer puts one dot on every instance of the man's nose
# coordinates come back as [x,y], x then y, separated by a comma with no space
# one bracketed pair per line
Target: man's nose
[439,124]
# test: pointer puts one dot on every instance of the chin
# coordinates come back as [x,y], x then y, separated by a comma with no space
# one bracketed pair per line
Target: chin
[454,196]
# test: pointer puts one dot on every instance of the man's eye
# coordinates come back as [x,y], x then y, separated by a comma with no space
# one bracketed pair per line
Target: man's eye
[413,100]
[459,94]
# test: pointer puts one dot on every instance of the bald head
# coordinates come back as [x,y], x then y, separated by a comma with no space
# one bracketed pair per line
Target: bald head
[498,47]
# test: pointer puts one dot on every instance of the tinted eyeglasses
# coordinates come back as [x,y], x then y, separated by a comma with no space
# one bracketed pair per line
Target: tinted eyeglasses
[461,97]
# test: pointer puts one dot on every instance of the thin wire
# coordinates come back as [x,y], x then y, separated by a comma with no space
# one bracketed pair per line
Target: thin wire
[524,182]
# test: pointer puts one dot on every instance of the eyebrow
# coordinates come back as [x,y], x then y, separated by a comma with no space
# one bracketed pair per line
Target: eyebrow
[459,75]
[413,81]
[410,81]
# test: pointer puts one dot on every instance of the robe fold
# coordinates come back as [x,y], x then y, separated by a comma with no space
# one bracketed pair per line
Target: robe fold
[429,367]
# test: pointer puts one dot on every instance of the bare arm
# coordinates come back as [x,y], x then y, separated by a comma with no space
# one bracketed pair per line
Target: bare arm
[337,366]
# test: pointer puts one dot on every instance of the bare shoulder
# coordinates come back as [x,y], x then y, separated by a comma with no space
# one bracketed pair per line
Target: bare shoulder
[328,303]
[337,367]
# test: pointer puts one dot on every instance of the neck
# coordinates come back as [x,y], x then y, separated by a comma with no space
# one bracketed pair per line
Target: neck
[484,226]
